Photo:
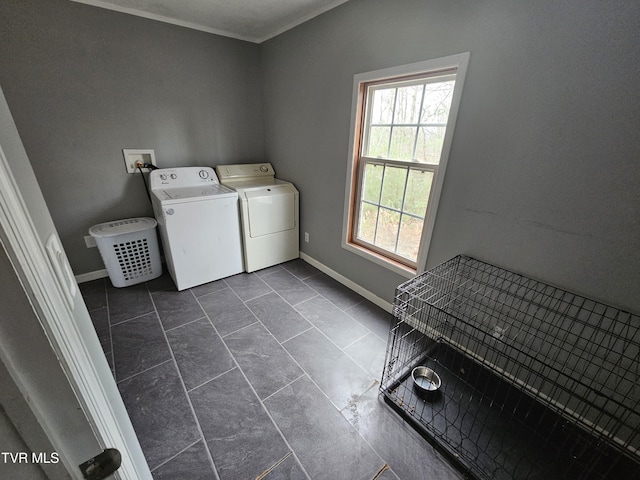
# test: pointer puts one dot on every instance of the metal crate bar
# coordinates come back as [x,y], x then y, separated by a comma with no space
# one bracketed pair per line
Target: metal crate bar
[537,382]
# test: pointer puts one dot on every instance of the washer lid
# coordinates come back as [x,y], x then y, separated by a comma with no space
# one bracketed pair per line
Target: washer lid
[193,194]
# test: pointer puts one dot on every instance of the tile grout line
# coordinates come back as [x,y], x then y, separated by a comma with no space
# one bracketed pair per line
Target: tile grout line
[362,299]
[308,276]
[313,326]
[241,328]
[307,375]
[343,350]
[338,410]
[357,340]
[257,296]
[311,378]
[369,444]
[273,290]
[260,296]
[333,343]
[281,344]
[274,466]
[304,374]
[317,292]
[143,371]
[184,388]
[129,319]
[211,379]
[176,455]
[211,293]
[256,394]
[352,316]
[299,280]
[369,331]
[296,361]
[167,330]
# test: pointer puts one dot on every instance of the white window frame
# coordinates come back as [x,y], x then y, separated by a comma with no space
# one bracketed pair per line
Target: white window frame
[459,64]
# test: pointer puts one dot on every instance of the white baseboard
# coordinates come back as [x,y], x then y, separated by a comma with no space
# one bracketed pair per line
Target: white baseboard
[348,283]
[87,277]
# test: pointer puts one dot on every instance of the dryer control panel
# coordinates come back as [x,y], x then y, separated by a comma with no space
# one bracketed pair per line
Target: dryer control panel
[245,171]
[182,177]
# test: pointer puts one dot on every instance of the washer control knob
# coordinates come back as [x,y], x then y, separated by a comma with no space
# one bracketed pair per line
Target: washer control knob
[264,168]
[174,176]
[163,176]
[203,174]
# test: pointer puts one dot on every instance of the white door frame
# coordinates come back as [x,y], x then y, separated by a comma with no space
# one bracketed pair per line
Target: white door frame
[29,258]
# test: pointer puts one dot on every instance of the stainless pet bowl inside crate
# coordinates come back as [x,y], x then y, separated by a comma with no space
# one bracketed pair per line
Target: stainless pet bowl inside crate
[425,379]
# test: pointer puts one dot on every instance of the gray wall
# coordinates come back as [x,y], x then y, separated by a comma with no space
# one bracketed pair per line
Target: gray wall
[543,172]
[83,83]
[543,175]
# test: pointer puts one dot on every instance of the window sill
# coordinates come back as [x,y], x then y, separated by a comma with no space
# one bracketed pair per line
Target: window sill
[385,262]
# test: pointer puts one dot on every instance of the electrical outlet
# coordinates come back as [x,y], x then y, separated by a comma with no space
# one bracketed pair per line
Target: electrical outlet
[90,241]
[133,156]
[306,237]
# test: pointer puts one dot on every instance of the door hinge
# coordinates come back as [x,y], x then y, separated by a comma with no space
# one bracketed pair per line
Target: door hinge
[102,465]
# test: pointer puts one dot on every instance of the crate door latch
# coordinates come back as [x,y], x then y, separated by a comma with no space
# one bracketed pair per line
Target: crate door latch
[102,465]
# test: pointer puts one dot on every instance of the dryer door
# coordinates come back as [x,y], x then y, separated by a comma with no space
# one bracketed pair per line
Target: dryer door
[270,209]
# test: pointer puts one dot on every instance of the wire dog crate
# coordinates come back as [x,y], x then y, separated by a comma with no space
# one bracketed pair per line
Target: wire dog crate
[536,382]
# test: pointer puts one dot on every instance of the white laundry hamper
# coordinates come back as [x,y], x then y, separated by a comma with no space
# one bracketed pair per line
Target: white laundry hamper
[129,250]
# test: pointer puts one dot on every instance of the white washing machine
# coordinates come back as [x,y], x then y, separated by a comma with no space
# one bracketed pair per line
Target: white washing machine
[199,225]
[269,213]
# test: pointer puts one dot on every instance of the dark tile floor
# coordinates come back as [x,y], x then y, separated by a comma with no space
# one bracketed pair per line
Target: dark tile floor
[270,375]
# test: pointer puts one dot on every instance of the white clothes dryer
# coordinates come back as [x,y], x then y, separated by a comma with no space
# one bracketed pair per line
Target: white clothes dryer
[199,225]
[269,214]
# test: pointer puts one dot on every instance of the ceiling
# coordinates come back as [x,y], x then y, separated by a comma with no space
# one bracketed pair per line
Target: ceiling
[250,20]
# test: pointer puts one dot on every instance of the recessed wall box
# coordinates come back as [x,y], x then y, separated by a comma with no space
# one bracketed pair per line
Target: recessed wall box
[133,156]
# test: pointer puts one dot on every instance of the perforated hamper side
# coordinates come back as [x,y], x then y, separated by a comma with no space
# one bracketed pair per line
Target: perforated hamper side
[129,250]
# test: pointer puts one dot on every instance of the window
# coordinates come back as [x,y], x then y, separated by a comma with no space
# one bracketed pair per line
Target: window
[402,125]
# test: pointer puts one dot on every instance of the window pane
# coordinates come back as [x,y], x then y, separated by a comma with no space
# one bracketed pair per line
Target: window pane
[368,220]
[402,142]
[429,144]
[382,108]
[387,233]
[437,101]
[393,187]
[372,182]
[409,240]
[418,189]
[407,108]
[399,142]
[378,142]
